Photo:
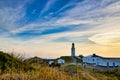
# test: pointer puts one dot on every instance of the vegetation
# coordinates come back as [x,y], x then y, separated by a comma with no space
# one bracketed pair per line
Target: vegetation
[14,68]
[40,73]
[8,62]
[81,56]
[68,59]
[87,73]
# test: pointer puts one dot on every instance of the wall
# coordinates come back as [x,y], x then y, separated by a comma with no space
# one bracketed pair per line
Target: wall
[100,62]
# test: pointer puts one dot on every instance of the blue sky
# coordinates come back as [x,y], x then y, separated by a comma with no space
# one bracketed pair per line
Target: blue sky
[47,28]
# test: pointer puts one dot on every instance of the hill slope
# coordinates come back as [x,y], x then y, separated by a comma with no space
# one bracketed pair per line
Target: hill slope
[11,63]
[66,72]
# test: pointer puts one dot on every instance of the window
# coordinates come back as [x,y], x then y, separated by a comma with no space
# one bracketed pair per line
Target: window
[93,59]
[107,64]
[97,63]
[113,63]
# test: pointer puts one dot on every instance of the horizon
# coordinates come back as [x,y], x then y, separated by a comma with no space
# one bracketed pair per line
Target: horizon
[47,28]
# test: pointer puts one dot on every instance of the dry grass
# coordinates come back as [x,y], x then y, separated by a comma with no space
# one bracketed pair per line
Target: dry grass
[40,73]
[16,69]
[47,73]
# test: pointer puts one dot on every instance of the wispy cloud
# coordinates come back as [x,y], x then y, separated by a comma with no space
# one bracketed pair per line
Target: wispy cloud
[109,38]
[11,17]
[87,22]
[99,24]
[47,6]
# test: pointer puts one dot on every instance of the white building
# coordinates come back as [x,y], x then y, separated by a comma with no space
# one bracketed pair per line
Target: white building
[101,61]
[61,61]
[50,62]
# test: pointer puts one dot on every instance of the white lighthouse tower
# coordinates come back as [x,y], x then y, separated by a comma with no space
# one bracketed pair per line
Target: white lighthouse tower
[73,50]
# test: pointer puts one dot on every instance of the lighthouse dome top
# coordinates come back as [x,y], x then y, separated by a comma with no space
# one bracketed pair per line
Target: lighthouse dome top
[72,43]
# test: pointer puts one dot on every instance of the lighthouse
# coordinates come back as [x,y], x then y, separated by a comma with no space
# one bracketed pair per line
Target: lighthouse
[73,50]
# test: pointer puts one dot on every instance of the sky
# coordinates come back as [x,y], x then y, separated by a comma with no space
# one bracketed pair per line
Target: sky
[47,28]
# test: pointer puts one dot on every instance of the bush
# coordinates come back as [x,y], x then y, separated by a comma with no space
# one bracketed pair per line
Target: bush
[9,62]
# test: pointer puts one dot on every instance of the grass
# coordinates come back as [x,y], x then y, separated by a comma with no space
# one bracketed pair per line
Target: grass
[88,73]
[13,68]
[40,73]
[36,71]
[68,59]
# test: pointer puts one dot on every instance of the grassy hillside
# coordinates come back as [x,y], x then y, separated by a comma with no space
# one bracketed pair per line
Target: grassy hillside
[37,60]
[34,60]
[40,73]
[87,73]
[13,68]
[9,61]
[68,59]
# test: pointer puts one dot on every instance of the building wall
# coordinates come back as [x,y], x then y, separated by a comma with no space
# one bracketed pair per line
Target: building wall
[100,62]
[92,60]
[72,51]
[111,63]
[60,61]
[50,62]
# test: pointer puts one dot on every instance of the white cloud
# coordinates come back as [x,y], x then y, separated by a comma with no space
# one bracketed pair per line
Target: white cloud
[47,6]
[9,19]
[71,21]
[76,16]
[104,23]
[109,38]
[10,16]
[71,3]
